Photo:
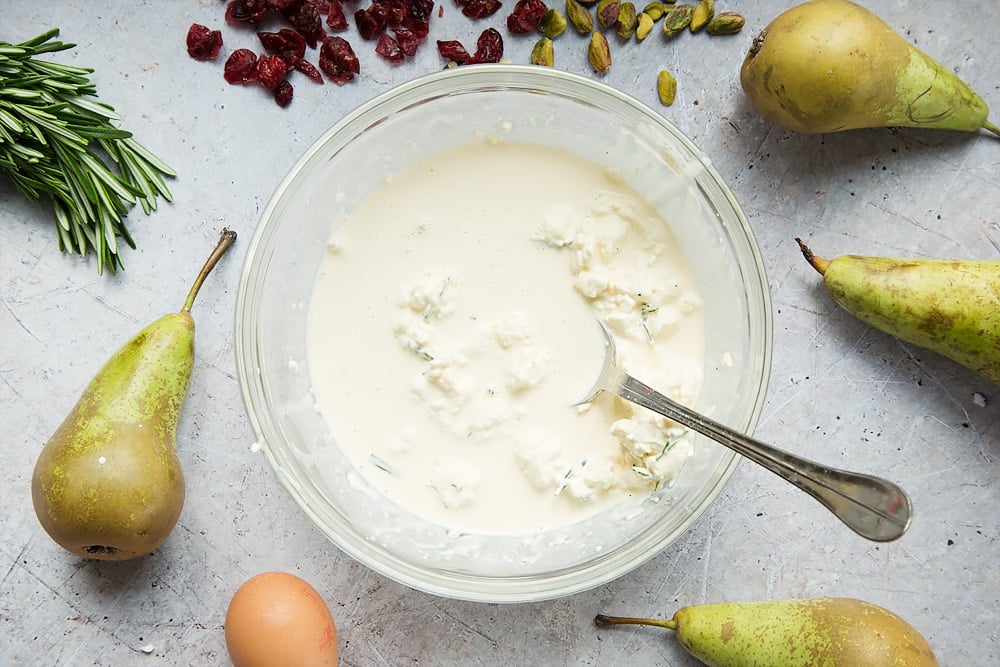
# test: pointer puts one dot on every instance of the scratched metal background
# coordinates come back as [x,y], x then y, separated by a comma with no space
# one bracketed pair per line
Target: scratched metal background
[840,392]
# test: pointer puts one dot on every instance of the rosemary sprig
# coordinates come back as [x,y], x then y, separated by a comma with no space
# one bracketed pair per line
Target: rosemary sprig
[57,141]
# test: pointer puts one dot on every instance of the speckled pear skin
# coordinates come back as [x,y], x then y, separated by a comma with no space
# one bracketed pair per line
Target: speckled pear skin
[822,632]
[951,307]
[108,484]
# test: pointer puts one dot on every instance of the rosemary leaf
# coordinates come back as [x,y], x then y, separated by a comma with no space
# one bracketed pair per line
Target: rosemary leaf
[96,108]
[12,123]
[98,169]
[26,153]
[98,132]
[142,152]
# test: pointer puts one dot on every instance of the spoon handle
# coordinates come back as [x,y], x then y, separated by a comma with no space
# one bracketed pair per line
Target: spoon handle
[870,506]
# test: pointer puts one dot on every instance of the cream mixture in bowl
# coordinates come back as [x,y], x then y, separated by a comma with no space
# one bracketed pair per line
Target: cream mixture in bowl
[473,331]
[418,313]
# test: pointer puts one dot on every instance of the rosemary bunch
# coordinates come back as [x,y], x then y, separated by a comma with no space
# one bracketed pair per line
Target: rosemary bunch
[57,140]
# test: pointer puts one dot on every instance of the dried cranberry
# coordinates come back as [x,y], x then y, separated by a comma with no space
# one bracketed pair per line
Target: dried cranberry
[335,18]
[272,41]
[308,69]
[241,66]
[407,40]
[338,60]
[246,11]
[282,5]
[489,47]
[371,21]
[322,6]
[453,50]
[283,93]
[288,44]
[306,20]
[420,9]
[202,43]
[478,9]
[296,43]
[388,48]
[271,70]
[525,17]
[419,27]
[395,11]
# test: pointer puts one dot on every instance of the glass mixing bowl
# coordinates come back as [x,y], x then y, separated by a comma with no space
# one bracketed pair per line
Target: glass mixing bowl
[403,126]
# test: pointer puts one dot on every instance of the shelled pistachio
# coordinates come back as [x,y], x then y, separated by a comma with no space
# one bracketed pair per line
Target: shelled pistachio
[655,10]
[644,25]
[579,17]
[552,23]
[725,23]
[666,87]
[607,12]
[628,19]
[701,15]
[543,53]
[677,19]
[599,53]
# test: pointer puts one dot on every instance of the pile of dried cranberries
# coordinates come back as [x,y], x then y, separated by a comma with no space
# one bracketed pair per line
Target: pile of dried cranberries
[397,26]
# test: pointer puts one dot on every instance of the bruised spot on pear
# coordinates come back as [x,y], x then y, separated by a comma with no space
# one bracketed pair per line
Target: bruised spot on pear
[832,65]
[727,631]
[935,321]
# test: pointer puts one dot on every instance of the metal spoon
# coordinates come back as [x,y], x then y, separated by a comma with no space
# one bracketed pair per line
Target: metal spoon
[874,508]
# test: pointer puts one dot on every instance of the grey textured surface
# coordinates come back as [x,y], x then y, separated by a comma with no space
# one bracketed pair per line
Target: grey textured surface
[840,392]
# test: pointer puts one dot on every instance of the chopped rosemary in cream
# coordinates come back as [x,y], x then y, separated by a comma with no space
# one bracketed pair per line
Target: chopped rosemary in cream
[670,443]
[645,310]
[382,465]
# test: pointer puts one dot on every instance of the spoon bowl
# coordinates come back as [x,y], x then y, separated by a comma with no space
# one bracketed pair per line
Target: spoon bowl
[874,508]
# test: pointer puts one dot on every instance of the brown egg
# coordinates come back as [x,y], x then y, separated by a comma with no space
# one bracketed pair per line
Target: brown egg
[276,619]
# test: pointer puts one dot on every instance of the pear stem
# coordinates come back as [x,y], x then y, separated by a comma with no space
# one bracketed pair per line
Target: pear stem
[603,621]
[225,240]
[818,263]
[987,125]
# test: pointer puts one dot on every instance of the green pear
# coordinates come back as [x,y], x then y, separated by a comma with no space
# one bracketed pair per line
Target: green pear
[831,65]
[108,483]
[820,632]
[949,306]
